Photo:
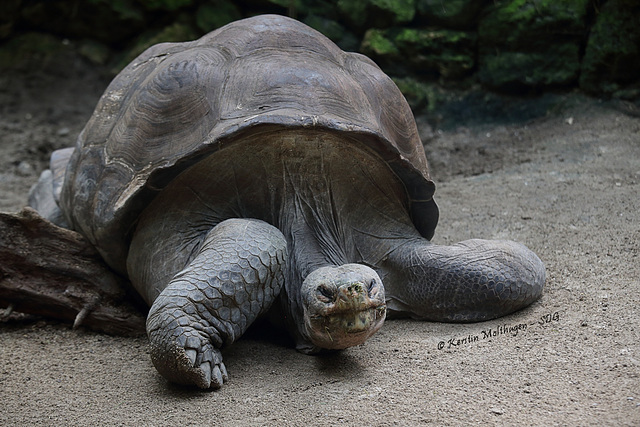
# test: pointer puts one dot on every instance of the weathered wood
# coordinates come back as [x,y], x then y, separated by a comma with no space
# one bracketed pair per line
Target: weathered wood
[54,272]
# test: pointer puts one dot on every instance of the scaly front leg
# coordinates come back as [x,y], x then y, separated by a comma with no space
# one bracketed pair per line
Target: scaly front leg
[234,278]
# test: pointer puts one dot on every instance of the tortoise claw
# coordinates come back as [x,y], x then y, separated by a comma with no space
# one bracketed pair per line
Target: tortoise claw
[195,362]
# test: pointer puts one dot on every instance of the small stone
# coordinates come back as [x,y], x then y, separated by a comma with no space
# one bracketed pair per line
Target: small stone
[63,131]
[24,169]
[497,411]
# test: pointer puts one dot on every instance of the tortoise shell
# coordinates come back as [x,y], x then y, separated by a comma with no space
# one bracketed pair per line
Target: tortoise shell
[179,102]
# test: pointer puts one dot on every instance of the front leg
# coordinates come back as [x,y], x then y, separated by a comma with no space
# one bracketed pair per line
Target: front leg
[234,279]
[470,281]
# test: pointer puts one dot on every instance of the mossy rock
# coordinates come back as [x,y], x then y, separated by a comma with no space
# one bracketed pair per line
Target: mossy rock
[450,53]
[531,43]
[452,14]
[378,44]
[612,55]
[516,71]
[440,53]
[530,25]
[420,95]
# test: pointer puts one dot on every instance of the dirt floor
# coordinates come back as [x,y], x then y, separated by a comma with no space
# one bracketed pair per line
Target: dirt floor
[564,180]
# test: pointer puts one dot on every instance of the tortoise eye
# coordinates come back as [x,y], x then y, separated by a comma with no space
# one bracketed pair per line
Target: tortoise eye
[325,293]
[371,286]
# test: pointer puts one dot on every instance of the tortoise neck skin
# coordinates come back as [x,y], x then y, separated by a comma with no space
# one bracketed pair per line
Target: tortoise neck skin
[334,202]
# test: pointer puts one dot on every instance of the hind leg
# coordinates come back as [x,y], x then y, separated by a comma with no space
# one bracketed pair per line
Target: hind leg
[234,279]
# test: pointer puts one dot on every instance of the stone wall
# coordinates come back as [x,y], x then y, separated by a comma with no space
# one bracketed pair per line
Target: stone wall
[508,46]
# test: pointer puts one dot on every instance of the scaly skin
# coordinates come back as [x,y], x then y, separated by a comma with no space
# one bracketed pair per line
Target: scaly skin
[235,278]
[470,281]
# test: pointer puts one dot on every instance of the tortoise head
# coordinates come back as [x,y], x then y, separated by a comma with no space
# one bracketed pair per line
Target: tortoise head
[343,305]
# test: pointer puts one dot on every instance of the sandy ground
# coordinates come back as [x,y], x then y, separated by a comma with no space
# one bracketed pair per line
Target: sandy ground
[565,183]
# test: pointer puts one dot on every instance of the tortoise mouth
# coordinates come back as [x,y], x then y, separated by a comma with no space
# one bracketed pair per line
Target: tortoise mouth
[339,330]
[343,305]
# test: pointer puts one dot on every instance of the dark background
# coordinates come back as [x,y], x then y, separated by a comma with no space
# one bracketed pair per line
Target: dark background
[435,50]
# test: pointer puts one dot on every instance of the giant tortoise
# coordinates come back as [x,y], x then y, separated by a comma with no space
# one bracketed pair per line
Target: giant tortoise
[261,171]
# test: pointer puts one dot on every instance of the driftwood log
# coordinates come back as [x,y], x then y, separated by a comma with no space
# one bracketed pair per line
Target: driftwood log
[54,272]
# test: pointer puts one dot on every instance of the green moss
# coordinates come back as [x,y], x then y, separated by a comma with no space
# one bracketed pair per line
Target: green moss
[443,53]
[422,96]
[509,70]
[531,42]
[402,10]
[376,43]
[418,94]
[532,24]
[434,40]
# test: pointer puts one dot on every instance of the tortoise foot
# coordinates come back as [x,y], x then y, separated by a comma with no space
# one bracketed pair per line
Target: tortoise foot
[185,354]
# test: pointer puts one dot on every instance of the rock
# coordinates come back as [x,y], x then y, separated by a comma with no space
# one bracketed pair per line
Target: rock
[612,55]
[527,43]
[24,169]
[418,94]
